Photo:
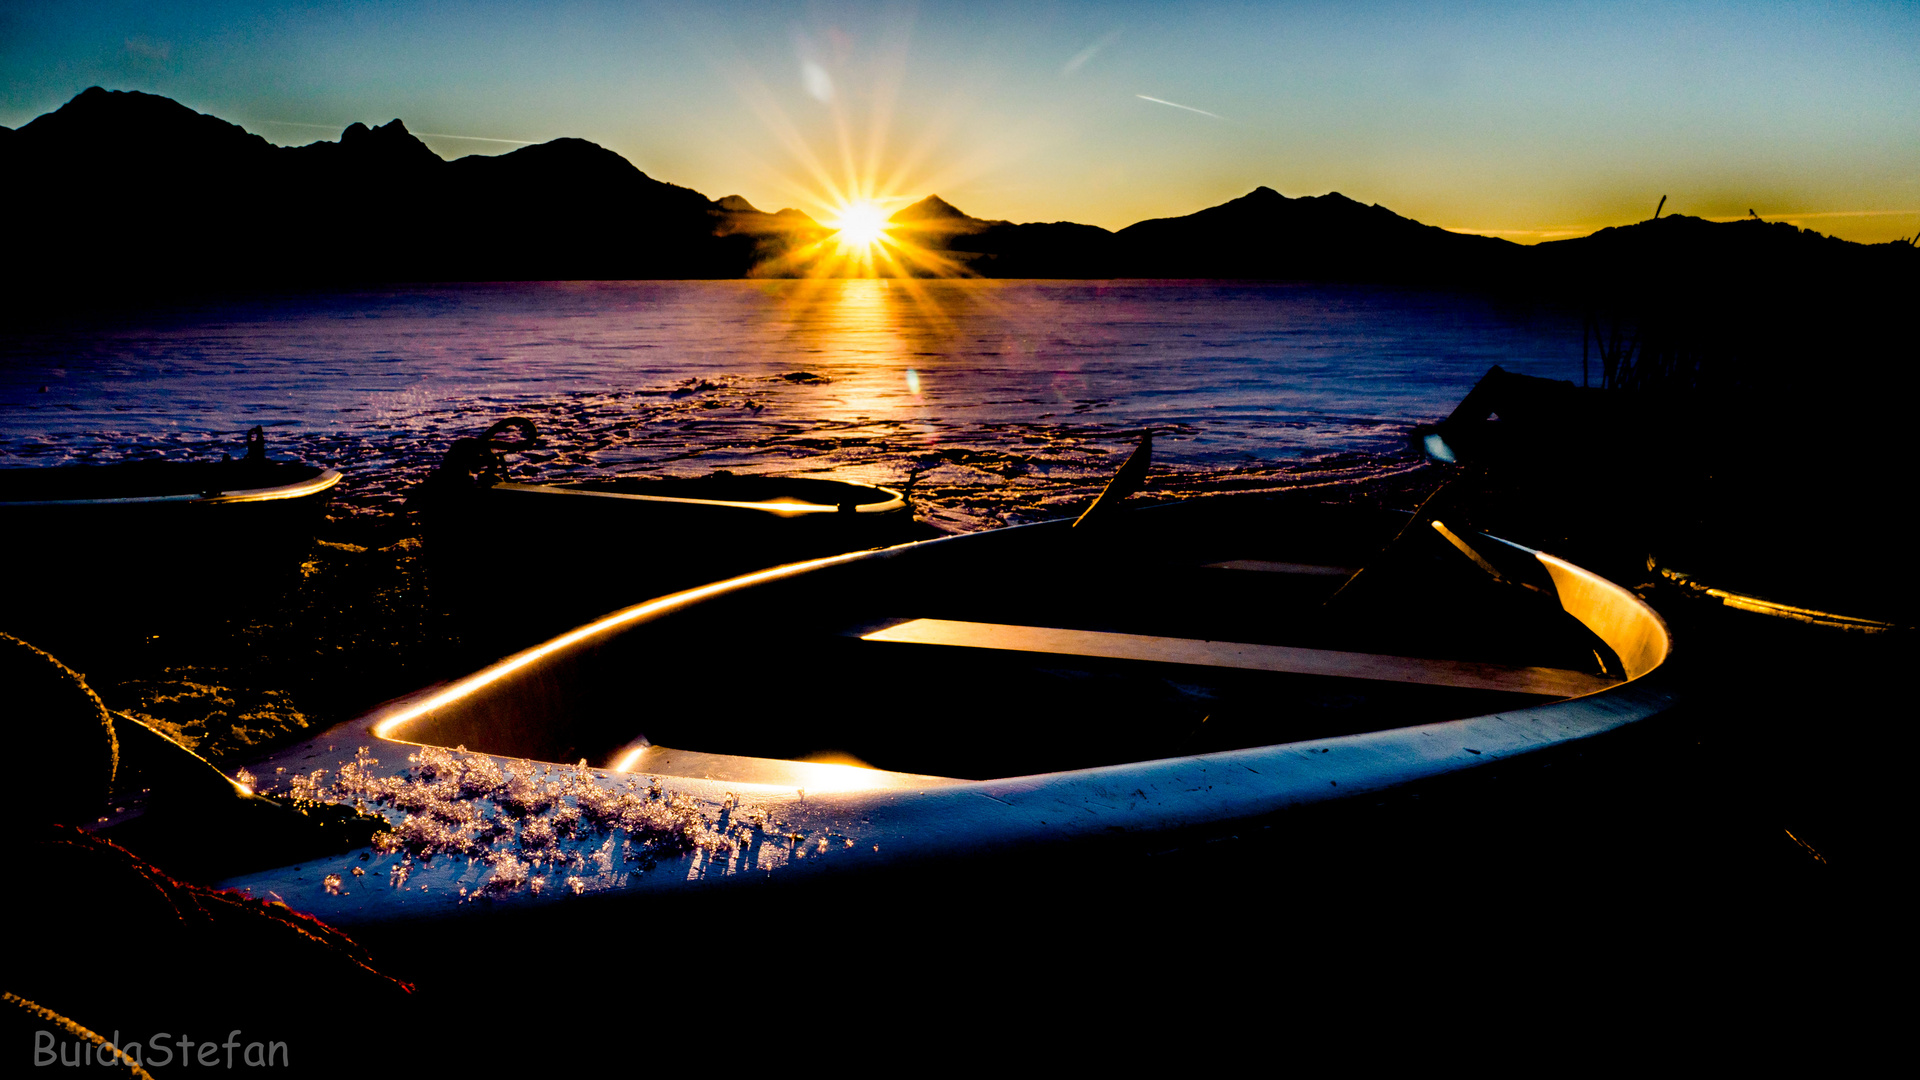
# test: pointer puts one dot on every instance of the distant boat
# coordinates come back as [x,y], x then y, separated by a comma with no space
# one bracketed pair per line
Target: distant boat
[1165,676]
[149,544]
[521,561]
[1801,599]
[1703,500]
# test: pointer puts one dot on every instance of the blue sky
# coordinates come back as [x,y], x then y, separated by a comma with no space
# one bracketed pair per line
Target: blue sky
[1524,120]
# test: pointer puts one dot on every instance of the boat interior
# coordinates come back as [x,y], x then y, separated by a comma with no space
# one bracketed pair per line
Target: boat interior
[1182,629]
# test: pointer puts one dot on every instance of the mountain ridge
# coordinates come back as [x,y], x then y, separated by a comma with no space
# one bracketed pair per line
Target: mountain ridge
[120,188]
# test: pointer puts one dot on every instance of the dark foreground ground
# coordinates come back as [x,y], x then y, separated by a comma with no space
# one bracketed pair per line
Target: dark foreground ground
[1722,875]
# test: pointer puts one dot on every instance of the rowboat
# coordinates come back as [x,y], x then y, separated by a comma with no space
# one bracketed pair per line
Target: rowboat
[1747,600]
[1774,543]
[1161,677]
[1821,555]
[144,544]
[658,534]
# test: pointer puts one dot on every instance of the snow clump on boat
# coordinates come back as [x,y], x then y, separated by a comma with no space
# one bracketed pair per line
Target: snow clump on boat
[519,816]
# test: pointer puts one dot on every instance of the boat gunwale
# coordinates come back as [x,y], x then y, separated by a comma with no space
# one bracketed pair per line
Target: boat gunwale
[323,480]
[897,501]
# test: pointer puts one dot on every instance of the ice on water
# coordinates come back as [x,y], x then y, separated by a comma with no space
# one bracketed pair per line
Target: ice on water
[997,400]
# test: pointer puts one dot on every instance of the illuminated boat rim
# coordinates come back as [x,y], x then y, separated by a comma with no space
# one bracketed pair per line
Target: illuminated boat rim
[326,479]
[895,500]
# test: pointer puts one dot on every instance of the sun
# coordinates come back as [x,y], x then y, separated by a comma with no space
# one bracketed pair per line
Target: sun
[856,237]
[860,225]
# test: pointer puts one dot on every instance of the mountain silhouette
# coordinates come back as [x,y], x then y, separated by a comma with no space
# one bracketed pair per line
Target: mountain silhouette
[1004,249]
[132,192]
[389,146]
[1260,235]
[1264,234]
[774,244]
[120,192]
[934,212]
[1748,257]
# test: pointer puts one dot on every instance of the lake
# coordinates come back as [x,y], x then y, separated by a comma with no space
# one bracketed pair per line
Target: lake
[998,399]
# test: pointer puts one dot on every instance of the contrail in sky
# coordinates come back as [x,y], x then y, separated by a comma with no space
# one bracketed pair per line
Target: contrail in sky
[1177,105]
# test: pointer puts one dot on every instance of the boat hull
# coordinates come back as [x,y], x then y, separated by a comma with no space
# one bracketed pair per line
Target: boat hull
[153,546]
[695,714]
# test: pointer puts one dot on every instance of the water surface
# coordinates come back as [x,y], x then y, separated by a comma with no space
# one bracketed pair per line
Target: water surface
[958,386]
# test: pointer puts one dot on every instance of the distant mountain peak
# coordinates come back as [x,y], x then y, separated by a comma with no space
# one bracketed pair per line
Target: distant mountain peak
[936,216]
[390,142]
[105,122]
[931,208]
[392,129]
[95,102]
[789,217]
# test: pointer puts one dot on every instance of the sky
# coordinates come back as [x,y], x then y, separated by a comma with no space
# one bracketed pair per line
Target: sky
[1529,121]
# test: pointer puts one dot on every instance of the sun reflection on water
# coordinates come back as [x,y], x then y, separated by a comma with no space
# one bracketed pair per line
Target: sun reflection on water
[883,340]
[875,288]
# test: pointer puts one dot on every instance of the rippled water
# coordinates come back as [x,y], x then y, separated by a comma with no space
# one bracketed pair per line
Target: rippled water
[995,398]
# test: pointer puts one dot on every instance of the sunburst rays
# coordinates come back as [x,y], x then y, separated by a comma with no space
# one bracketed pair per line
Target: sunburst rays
[856,237]
[846,171]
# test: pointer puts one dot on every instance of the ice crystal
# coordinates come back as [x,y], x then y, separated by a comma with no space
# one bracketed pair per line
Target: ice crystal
[508,874]
[537,836]
[308,787]
[516,817]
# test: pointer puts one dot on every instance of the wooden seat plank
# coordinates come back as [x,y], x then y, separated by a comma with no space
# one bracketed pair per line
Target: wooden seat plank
[1267,566]
[1551,682]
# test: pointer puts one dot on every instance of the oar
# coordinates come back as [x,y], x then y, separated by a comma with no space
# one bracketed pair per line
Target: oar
[1132,474]
[1429,510]
[1444,499]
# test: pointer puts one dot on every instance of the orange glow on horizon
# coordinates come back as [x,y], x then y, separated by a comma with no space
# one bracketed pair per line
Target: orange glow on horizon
[858,239]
